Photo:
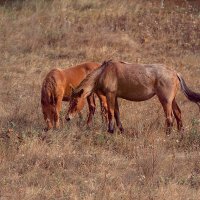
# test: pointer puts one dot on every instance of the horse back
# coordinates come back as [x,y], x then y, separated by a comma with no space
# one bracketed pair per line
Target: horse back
[136,81]
[74,75]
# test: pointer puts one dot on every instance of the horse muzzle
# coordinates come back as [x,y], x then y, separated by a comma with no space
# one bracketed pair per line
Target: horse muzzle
[68,117]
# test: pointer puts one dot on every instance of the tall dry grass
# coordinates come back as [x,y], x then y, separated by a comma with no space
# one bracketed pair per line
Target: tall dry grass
[79,162]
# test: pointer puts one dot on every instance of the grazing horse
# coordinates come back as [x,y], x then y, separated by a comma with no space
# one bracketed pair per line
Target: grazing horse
[58,86]
[135,82]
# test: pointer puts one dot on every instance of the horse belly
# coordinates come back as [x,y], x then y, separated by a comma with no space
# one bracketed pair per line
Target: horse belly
[136,93]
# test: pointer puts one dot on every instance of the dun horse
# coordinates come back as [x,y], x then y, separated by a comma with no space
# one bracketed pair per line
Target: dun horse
[57,87]
[135,82]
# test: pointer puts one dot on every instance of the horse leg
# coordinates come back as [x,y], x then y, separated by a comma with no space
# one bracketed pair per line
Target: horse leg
[92,106]
[57,112]
[167,107]
[103,105]
[104,108]
[111,107]
[177,114]
[48,122]
[117,117]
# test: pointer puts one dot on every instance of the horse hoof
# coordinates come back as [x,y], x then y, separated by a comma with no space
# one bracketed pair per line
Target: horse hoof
[45,129]
[67,119]
[121,130]
[110,131]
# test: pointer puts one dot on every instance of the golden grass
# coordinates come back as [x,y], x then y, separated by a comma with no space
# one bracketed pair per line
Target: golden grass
[77,162]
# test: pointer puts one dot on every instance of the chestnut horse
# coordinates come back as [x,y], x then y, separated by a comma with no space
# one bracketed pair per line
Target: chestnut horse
[136,82]
[57,87]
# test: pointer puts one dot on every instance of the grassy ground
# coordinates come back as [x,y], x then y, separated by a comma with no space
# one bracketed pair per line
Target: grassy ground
[79,162]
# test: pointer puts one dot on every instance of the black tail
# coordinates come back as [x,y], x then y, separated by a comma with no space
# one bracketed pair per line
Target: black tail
[192,96]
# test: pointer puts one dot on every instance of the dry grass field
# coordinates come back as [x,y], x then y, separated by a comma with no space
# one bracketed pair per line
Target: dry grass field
[80,162]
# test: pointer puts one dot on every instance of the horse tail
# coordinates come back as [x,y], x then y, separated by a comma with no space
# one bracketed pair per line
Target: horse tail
[48,92]
[192,96]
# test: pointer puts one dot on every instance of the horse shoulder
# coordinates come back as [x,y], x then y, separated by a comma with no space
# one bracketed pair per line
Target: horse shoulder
[108,78]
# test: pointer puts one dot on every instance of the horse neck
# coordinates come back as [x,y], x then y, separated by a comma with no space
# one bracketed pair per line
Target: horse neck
[89,83]
[88,90]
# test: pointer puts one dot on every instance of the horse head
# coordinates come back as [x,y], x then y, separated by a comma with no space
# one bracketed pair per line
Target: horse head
[76,104]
